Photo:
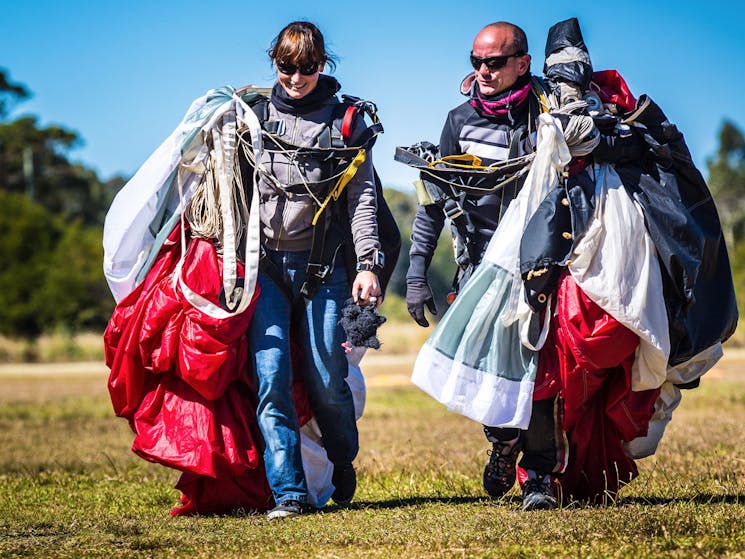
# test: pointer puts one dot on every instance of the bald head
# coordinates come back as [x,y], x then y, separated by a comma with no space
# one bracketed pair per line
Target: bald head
[499,57]
[503,33]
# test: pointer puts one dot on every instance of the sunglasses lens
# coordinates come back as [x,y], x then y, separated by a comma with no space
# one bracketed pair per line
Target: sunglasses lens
[287,69]
[309,69]
[493,62]
[496,62]
[290,69]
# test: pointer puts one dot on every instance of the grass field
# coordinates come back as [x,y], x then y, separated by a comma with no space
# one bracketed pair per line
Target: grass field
[70,487]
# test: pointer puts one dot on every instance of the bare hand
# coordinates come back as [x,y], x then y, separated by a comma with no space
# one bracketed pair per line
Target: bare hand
[366,289]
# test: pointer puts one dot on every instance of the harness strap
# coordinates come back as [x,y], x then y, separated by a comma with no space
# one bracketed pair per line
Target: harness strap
[268,266]
[334,139]
[316,270]
[346,124]
[344,179]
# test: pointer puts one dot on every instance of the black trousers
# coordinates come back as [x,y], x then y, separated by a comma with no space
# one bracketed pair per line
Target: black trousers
[540,445]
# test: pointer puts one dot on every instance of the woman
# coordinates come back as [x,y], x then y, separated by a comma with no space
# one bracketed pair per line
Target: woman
[292,183]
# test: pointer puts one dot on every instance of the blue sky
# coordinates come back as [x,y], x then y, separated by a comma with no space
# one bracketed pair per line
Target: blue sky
[123,73]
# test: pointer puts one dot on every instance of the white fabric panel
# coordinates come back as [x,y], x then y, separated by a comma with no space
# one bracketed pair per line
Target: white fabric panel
[483,397]
[445,365]
[318,468]
[615,264]
[669,399]
[127,236]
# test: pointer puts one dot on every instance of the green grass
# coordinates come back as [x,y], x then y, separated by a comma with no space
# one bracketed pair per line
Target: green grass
[70,487]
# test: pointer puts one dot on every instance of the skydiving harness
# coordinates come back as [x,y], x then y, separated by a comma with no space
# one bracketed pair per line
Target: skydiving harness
[341,162]
[446,181]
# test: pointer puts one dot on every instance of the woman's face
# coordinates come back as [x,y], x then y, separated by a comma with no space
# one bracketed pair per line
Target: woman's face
[295,80]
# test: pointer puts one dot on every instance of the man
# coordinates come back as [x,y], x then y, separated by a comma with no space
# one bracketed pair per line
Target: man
[493,125]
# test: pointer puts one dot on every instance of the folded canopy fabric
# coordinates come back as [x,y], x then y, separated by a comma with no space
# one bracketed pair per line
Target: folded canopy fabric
[181,379]
[478,361]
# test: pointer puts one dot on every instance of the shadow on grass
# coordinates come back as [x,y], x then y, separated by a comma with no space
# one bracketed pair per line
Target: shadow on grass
[700,499]
[418,501]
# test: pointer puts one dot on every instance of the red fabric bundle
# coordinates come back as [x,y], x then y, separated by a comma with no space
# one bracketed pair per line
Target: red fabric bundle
[595,355]
[181,379]
[612,88]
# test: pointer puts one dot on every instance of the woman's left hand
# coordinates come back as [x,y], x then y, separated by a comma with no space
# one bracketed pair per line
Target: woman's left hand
[366,289]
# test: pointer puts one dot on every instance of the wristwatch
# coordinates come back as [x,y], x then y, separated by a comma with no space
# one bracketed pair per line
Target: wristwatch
[371,263]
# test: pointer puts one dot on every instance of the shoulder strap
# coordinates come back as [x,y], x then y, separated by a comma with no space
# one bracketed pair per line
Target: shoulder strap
[260,106]
[333,136]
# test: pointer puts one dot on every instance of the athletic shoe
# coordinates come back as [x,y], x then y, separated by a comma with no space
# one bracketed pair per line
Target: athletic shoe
[500,471]
[287,509]
[538,492]
[345,484]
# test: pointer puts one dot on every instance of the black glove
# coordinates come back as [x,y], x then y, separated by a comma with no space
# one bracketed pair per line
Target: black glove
[617,144]
[419,294]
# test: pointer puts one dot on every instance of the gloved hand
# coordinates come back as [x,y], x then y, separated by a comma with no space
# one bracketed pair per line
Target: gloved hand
[419,294]
[618,144]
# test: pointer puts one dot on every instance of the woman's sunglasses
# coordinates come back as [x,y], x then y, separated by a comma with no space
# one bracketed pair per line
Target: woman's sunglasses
[290,69]
[494,62]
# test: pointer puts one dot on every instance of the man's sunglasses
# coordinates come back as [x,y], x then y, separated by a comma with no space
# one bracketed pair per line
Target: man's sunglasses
[290,69]
[494,62]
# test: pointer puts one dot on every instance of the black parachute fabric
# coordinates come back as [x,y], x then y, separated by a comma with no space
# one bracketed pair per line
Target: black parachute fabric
[684,225]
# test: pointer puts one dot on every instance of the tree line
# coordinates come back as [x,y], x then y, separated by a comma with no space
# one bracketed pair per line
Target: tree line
[51,215]
[52,212]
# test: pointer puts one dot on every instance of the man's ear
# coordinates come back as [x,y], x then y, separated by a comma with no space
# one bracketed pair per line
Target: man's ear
[524,64]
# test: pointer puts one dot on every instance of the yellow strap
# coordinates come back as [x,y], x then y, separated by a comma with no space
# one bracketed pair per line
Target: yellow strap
[349,172]
[542,99]
[470,161]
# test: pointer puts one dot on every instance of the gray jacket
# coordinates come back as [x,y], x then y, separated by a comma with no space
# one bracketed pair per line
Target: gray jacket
[287,208]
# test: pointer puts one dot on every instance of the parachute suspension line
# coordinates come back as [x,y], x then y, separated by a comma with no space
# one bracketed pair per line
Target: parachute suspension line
[346,176]
[498,186]
[205,211]
[291,156]
[224,189]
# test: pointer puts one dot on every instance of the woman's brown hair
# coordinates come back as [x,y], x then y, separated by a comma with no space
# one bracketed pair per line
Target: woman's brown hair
[301,42]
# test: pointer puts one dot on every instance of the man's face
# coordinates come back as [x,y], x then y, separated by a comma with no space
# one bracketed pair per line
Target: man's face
[497,42]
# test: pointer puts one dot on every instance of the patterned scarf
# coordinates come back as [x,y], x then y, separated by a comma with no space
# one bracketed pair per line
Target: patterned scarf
[501,104]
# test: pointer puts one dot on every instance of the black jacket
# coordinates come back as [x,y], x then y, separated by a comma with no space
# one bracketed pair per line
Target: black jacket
[491,139]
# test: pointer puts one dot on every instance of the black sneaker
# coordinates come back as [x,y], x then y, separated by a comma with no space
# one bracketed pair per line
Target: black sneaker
[500,471]
[287,509]
[345,484]
[538,492]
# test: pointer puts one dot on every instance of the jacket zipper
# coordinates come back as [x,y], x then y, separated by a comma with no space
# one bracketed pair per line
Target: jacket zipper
[289,181]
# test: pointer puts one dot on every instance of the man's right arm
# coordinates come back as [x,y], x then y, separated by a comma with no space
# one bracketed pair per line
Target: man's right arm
[428,223]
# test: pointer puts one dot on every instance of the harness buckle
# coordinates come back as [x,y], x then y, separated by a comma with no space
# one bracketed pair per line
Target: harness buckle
[453,211]
[318,270]
[276,127]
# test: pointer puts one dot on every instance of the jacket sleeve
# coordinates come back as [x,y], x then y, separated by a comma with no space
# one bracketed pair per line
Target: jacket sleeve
[449,144]
[362,203]
[428,223]
[429,220]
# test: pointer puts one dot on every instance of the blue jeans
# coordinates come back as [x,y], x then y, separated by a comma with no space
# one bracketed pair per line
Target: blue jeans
[323,366]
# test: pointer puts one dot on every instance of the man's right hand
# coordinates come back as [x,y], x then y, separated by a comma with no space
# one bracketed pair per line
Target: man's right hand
[419,294]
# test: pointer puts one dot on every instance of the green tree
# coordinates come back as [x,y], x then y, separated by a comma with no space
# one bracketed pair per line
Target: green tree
[442,269]
[10,93]
[74,295]
[727,182]
[30,234]
[51,214]
[34,161]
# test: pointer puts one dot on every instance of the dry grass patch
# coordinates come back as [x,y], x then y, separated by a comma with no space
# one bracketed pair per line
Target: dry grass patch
[70,487]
